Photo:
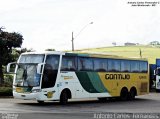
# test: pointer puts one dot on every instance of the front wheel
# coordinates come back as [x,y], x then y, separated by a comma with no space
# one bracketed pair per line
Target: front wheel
[40,102]
[102,99]
[64,98]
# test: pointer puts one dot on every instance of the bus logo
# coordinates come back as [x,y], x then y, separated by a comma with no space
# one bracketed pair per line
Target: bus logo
[117,76]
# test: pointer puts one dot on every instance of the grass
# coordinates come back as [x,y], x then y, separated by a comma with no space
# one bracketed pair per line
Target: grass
[147,51]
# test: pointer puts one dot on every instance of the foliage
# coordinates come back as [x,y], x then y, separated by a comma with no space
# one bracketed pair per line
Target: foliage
[23,50]
[17,52]
[50,50]
[154,43]
[8,80]
[14,55]
[7,42]
[6,91]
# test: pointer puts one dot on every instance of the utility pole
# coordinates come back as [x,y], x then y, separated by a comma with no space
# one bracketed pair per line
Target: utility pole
[78,34]
[72,42]
[140,52]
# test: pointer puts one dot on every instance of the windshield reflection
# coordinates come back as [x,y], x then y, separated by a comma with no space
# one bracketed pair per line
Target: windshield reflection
[26,74]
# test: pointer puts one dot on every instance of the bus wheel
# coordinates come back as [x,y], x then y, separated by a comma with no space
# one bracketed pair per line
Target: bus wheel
[102,99]
[40,102]
[64,97]
[132,94]
[124,94]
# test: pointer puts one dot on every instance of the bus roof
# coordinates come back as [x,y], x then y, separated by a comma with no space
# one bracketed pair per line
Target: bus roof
[98,55]
[102,55]
[45,52]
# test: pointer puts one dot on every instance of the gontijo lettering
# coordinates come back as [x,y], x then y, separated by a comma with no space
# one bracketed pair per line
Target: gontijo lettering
[117,76]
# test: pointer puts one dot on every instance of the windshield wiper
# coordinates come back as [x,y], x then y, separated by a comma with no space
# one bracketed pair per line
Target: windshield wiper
[25,74]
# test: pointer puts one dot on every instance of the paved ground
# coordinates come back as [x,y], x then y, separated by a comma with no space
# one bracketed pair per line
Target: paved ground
[148,105]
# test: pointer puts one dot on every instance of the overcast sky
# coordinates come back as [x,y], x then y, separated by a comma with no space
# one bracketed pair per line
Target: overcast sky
[49,23]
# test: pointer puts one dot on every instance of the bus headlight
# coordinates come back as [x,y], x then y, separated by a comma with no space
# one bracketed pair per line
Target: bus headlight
[36,90]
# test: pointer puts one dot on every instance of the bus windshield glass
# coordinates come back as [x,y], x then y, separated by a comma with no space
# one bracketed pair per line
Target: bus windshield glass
[26,74]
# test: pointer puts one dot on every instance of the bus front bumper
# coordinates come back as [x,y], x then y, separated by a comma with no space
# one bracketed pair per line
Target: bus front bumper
[26,96]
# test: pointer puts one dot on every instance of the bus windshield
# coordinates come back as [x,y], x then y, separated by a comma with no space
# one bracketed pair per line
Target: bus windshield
[26,74]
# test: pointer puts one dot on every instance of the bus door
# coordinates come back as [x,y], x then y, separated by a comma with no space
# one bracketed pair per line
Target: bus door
[50,73]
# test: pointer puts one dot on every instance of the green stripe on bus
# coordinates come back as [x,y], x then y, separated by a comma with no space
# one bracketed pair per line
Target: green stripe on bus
[85,82]
[96,82]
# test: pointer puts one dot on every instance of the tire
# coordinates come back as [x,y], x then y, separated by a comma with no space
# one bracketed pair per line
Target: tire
[157,90]
[40,102]
[124,94]
[64,98]
[102,99]
[132,94]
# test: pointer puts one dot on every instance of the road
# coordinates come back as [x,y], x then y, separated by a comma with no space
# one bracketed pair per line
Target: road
[90,108]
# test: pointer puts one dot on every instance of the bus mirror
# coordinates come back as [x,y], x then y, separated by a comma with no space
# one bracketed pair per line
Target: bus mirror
[9,67]
[39,68]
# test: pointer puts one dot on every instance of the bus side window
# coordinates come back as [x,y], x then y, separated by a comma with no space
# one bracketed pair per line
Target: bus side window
[68,63]
[143,67]
[125,66]
[100,65]
[85,64]
[113,65]
[135,66]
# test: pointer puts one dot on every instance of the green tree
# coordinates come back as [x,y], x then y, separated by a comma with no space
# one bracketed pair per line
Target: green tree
[50,49]
[7,42]
[23,50]
[154,43]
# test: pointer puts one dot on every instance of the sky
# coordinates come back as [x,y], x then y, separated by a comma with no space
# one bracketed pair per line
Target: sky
[49,23]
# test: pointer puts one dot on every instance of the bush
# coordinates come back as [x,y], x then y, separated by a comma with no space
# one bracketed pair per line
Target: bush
[8,80]
[6,91]
[6,87]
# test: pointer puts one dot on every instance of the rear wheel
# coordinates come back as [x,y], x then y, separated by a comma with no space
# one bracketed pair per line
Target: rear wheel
[124,94]
[64,98]
[132,94]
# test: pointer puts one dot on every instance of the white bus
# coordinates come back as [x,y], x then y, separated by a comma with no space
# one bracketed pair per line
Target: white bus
[59,76]
[157,83]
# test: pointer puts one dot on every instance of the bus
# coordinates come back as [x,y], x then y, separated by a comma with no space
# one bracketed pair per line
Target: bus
[60,76]
[157,82]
